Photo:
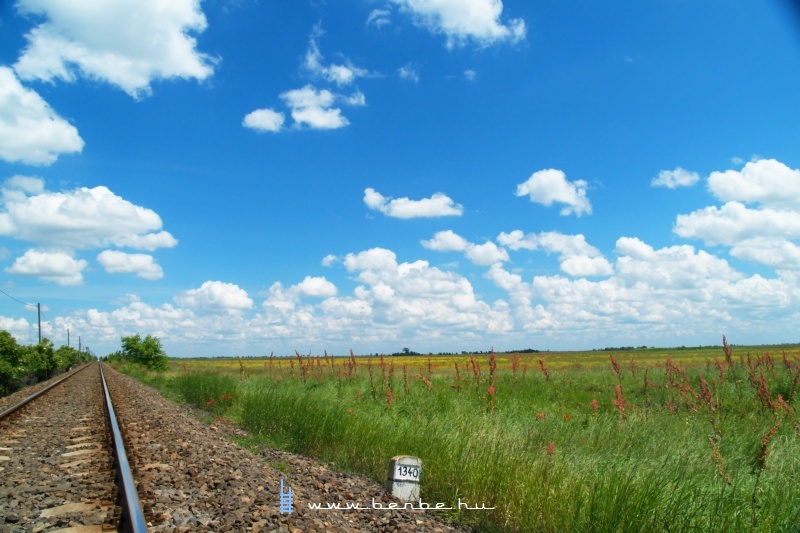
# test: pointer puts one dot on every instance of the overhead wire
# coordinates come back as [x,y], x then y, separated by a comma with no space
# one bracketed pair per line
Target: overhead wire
[15,299]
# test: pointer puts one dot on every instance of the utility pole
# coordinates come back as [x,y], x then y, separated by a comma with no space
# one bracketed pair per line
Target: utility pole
[79,343]
[67,337]
[39,312]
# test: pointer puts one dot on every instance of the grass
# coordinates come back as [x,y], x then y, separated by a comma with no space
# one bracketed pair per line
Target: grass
[645,441]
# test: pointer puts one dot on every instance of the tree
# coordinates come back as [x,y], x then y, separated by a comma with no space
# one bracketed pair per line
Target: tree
[40,359]
[67,356]
[11,364]
[147,352]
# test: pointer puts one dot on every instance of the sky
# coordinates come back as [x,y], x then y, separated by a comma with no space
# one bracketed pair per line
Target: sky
[244,177]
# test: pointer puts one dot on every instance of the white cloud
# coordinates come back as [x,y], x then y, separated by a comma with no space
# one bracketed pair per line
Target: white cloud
[734,222]
[314,108]
[418,298]
[315,286]
[470,74]
[379,18]
[81,218]
[341,75]
[30,131]
[58,267]
[408,72]
[764,181]
[480,254]
[673,179]
[127,43]
[216,297]
[143,265]
[763,234]
[438,205]
[264,120]
[548,186]
[462,21]
[356,99]
[676,267]
[447,241]
[576,256]
[486,254]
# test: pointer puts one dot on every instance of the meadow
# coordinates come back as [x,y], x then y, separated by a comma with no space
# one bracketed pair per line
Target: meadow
[642,440]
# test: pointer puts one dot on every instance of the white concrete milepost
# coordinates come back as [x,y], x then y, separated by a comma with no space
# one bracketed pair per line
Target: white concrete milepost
[405,472]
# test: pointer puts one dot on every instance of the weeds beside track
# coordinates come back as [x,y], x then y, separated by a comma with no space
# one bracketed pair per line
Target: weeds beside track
[638,443]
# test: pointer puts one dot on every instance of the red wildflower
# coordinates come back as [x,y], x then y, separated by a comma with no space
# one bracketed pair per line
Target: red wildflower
[491,390]
[539,416]
[567,417]
[551,448]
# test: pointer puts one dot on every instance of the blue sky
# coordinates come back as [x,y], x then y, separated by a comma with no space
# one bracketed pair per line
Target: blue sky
[245,177]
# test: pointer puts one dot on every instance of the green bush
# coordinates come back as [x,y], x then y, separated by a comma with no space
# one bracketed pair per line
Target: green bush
[147,352]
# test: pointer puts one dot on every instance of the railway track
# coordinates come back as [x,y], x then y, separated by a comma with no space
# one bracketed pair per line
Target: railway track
[62,462]
[57,470]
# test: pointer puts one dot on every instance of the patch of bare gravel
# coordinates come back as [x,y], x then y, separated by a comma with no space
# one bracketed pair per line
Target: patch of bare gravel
[11,399]
[192,479]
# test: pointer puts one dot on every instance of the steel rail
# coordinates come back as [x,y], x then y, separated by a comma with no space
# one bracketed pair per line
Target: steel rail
[132,515]
[35,395]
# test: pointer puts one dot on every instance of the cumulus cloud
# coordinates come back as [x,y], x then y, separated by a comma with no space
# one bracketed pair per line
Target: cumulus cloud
[676,267]
[672,179]
[418,295]
[315,286]
[463,21]
[763,233]
[128,44]
[81,218]
[143,265]
[30,131]
[576,256]
[734,222]
[765,181]
[480,254]
[314,108]
[438,205]
[264,120]
[57,267]
[216,297]
[551,186]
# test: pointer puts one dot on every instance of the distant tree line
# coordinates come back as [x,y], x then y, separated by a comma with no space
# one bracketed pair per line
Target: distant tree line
[24,365]
[147,352]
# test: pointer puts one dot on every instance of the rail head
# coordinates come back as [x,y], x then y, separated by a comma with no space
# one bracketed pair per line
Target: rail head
[131,507]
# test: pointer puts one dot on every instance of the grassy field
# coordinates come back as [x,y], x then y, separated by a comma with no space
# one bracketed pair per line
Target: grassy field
[645,440]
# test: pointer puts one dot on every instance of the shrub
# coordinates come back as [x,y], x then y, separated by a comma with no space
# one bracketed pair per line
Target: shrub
[147,352]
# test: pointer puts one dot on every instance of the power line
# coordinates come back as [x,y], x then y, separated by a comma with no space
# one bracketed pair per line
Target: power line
[20,301]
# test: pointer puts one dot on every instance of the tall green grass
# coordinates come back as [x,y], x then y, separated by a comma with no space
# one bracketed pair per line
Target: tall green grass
[536,450]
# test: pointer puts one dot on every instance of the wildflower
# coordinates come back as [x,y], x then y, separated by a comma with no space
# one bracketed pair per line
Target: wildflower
[567,416]
[551,448]
[389,398]
[539,416]
[491,390]
[593,403]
